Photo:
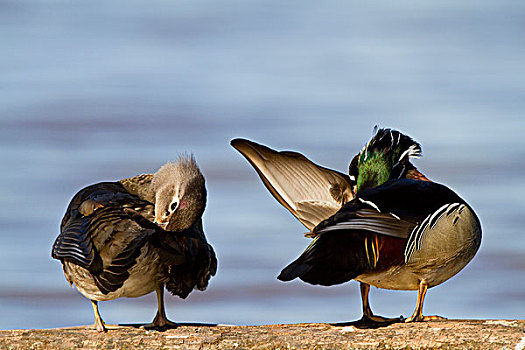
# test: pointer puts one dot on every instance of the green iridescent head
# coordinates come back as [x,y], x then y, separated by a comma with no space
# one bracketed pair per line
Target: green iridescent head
[385,157]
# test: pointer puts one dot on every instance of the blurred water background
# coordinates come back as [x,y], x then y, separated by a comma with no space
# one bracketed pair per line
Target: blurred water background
[96,91]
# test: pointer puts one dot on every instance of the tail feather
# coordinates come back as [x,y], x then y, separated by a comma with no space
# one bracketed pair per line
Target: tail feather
[293,270]
[332,258]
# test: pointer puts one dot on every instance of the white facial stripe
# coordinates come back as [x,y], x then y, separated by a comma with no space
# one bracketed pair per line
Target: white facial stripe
[403,155]
[412,151]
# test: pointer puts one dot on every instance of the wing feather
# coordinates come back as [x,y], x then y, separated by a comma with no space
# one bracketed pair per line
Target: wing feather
[368,219]
[99,235]
[310,192]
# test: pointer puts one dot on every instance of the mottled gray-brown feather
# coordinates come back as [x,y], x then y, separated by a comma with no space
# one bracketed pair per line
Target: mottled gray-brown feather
[310,192]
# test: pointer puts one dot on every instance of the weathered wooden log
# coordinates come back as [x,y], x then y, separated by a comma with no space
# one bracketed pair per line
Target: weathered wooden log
[453,334]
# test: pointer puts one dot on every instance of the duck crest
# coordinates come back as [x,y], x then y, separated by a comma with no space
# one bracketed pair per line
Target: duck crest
[385,157]
[184,168]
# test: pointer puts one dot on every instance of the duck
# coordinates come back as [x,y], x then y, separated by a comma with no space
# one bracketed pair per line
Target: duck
[137,235]
[385,224]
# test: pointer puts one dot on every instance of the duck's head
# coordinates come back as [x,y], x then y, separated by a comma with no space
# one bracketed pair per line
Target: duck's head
[385,157]
[180,194]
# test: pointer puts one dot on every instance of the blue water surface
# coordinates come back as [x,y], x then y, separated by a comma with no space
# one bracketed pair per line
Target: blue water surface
[97,91]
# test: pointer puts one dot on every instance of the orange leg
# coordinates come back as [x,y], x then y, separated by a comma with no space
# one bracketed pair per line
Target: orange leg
[417,316]
[99,323]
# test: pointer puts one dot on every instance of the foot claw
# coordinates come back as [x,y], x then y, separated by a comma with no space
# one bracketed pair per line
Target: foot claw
[99,328]
[421,318]
[103,328]
[166,324]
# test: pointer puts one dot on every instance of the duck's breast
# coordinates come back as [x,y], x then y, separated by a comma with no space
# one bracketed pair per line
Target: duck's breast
[144,277]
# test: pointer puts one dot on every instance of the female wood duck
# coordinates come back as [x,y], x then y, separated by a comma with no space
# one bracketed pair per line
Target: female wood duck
[400,231]
[137,235]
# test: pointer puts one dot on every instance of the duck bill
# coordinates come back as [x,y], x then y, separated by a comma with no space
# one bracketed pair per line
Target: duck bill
[162,225]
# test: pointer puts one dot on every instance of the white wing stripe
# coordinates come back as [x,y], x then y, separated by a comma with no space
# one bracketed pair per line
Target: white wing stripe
[380,228]
[451,208]
[415,237]
[372,204]
[436,216]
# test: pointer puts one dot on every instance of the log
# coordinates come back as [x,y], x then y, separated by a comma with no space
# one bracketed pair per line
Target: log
[454,334]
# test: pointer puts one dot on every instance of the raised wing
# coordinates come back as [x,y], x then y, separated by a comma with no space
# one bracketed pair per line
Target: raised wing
[310,192]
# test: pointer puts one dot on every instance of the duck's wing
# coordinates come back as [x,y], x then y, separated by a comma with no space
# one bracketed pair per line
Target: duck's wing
[354,240]
[191,259]
[200,263]
[381,227]
[365,216]
[310,192]
[392,209]
[99,235]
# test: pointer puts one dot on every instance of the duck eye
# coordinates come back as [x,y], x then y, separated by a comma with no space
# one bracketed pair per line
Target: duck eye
[173,206]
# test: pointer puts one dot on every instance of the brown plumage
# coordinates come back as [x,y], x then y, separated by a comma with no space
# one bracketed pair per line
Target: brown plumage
[137,235]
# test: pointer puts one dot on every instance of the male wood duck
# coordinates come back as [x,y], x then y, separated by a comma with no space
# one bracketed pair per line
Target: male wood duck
[400,231]
[135,236]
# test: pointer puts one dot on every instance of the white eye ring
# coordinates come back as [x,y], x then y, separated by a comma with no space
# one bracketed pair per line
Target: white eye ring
[174,206]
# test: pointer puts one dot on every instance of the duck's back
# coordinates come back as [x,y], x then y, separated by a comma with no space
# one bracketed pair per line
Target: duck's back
[102,247]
